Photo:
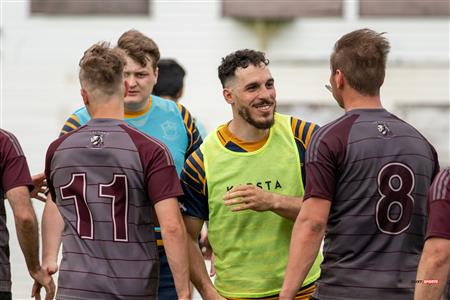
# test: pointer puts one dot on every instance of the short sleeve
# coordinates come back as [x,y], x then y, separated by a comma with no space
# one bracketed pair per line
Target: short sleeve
[193,180]
[439,206]
[161,177]
[325,158]
[13,165]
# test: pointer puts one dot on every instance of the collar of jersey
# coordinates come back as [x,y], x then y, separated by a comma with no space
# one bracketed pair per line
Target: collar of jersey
[227,136]
[135,114]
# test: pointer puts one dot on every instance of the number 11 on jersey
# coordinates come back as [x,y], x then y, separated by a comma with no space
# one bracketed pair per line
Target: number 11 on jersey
[116,190]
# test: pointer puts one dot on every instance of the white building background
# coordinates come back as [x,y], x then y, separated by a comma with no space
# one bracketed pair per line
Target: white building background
[40,53]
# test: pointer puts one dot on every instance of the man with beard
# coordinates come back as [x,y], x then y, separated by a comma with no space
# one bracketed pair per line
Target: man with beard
[246,180]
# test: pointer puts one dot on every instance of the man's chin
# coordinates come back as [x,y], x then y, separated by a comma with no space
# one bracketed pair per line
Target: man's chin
[264,123]
[135,103]
[132,99]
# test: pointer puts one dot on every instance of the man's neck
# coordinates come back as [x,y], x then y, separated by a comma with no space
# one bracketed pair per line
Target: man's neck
[109,110]
[355,100]
[245,131]
[132,108]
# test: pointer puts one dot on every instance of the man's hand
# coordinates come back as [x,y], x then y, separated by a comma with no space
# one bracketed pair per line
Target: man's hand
[40,187]
[204,244]
[245,197]
[42,279]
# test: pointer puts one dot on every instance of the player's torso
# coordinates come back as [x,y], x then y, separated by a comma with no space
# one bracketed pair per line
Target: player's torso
[242,240]
[378,216]
[108,241]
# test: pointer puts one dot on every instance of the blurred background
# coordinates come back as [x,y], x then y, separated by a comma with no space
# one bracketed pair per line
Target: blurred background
[43,40]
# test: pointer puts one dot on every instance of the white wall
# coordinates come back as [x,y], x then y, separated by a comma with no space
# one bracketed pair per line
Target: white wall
[39,59]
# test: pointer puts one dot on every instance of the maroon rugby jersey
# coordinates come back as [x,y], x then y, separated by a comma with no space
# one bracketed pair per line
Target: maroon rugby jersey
[375,169]
[105,178]
[14,172]
[439,211]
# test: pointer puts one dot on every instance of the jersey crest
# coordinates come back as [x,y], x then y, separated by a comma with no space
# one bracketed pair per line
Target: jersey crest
[96,139]
[170,130]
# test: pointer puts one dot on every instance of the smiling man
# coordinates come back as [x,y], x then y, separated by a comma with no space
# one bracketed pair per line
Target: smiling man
[246,180]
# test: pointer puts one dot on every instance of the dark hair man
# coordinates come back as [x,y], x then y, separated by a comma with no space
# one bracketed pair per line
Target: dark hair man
[247,180]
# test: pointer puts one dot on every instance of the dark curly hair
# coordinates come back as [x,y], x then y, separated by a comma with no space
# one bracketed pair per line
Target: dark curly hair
[239,59]
[361,55]
[101,68]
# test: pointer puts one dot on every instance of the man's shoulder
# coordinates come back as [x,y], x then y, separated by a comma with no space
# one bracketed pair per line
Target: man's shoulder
[6,136]
[303,129]
[9,141]
[440,186]
[337,129]
[165,105]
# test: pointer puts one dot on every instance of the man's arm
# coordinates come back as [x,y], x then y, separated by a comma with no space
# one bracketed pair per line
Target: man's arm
[175,243]
[197,268]
[251,197]
[307,236]
[27,234]
[434,265]
[52,228]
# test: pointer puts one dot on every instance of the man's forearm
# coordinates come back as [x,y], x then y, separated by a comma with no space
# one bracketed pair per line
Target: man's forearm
[287,206]
[52,228]
[198,273]
[434,265]
[27,234]
[175,245]
[305,244]
[26,226]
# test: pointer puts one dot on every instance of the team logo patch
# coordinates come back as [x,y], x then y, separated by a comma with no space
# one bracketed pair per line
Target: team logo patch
[383,129]
[97,140]
[170,131]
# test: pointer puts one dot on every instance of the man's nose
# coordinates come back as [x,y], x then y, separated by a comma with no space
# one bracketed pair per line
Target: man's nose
[131,81]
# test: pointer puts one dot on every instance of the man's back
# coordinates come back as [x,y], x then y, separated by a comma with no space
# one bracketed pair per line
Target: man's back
[105,178]
[375,232]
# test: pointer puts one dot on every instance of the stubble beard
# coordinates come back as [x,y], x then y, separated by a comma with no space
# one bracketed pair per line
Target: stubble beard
[246,115]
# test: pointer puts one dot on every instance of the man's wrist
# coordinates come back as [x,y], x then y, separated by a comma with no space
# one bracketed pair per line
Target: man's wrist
[273,201]
[34,270]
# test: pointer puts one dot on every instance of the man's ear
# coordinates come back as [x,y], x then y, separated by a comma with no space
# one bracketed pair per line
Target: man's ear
[339,79]
[156,74]
[84,95]
[228,95]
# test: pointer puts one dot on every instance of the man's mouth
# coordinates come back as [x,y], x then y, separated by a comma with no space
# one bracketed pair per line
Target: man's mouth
[263,106]
[132,93]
